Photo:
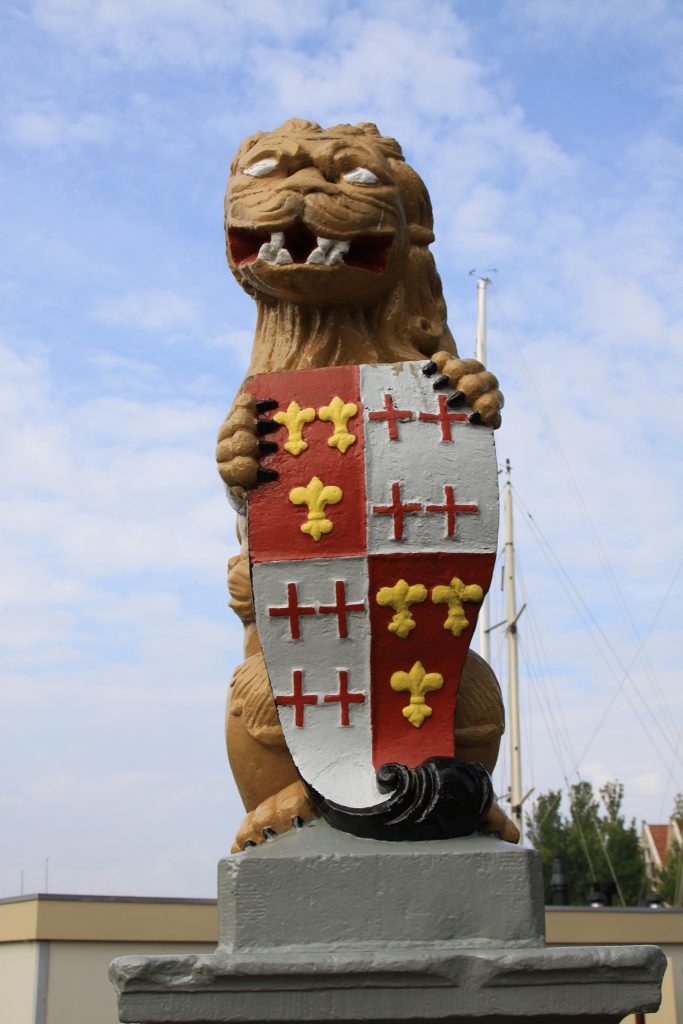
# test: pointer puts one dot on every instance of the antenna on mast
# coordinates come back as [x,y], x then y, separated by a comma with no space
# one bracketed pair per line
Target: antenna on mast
[483,282]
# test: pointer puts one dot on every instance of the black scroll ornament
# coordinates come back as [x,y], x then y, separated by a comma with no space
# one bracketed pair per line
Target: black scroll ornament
[442,798]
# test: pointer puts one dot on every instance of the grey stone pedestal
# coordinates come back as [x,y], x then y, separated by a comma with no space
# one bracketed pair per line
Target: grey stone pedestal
[317,925]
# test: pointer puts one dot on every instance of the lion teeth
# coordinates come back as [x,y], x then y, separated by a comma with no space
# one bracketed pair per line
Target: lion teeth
[329,251]
[269,251]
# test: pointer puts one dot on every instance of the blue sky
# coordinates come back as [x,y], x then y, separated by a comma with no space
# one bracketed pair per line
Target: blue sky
[550,137]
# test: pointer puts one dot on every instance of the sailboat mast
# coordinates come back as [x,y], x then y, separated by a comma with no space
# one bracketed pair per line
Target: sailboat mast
[480,354]
[513,676]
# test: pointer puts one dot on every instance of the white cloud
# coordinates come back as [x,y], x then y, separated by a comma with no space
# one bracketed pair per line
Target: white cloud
[193,34]
[586,19]
[114,625]
[49,129]
[152,310]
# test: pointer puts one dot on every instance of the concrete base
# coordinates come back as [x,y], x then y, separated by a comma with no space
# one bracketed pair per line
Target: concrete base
[318,925]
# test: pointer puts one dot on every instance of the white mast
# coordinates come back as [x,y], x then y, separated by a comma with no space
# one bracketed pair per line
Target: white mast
[513,679]
[480,354]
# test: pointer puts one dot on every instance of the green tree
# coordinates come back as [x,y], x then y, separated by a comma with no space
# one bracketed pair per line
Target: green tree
[596,842]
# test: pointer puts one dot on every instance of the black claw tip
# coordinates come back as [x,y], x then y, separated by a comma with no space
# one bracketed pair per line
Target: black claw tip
[297,822]
[475,417]
[441,382]
[266,427]
[430,368]
[267,447]
[265,405]
[455,400]
[269,833]
[249,842]
[264,476]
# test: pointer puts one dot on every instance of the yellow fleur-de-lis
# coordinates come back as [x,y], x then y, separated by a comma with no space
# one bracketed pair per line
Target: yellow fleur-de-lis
[418,682]
[400,597]
[294,419]
[316,495]
[339,412]
[455,595]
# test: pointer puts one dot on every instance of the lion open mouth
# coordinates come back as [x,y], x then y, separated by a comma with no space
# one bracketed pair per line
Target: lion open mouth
[298,245]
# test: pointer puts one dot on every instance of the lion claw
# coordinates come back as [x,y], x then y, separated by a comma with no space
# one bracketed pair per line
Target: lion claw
[266,427]
[430,368]
[441,382]
[456,399]
[267,447]
[269,834]
[265,405]
[266,476]
[475,418]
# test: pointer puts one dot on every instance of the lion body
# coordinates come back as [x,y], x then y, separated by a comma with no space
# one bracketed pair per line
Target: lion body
[326,315]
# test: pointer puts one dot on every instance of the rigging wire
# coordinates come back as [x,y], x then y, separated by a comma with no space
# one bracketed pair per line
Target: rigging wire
[665,793]
[584,611]
[563,735]
[611,577]
[551,726]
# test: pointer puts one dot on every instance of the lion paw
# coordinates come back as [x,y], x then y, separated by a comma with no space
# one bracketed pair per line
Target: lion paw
[241,444]
[498,823]
[287,809]
[474,387]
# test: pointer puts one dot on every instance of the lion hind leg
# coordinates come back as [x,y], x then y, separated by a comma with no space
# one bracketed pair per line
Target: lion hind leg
[278,813]
[498,823]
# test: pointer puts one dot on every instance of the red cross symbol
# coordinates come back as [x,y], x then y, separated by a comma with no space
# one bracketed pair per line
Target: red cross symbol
[451,509]
[344,698]
[445,418]
[293,610]
[341,608]
[391,415]
[397,509]
[298,699]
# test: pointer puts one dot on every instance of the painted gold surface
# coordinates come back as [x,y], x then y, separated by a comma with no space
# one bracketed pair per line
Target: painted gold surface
[339,412]
[455,594]
[316,495]
[418,683]
[400,597]
[294,419]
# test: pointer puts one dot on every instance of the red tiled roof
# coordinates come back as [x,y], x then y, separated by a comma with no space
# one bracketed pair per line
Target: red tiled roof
[659,833]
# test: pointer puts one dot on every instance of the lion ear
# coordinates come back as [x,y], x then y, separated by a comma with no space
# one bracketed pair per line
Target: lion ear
[389,147]
[369,128]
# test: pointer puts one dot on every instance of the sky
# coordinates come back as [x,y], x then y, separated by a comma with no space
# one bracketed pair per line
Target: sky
[550,137]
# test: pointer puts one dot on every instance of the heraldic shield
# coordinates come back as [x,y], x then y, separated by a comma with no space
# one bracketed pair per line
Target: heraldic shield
[371,553]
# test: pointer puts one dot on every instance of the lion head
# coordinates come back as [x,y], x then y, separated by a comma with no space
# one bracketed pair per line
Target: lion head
[328,229]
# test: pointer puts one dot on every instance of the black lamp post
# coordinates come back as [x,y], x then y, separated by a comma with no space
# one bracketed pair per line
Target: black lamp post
[559,883]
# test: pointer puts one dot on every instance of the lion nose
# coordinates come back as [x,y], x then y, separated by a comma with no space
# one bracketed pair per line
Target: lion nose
[309,180]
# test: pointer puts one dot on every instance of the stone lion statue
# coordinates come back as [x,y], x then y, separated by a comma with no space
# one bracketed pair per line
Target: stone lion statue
[329,231]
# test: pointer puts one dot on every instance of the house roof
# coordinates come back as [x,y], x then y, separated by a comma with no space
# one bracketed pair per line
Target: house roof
[659,836]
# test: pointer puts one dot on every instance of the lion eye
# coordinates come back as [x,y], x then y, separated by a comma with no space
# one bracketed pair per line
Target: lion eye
[361,176]
[261,167]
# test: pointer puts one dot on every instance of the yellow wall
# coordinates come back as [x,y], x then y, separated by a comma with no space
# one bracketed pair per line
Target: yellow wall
[18,961]
[80,937]
[78,978]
